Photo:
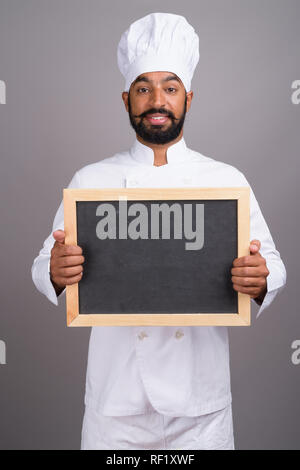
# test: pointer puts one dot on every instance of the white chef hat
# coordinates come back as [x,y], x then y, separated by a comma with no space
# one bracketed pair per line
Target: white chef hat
[159,42]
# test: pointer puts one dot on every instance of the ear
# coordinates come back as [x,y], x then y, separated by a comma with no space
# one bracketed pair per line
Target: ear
[125,99]
[189,97]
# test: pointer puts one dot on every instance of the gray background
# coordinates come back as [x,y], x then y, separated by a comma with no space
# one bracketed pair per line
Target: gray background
[64,110]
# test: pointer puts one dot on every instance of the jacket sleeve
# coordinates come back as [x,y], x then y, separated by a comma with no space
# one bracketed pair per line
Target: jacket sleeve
[260,231]
[40,270]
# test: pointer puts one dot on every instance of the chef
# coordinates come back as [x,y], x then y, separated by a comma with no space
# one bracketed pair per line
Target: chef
[159,387]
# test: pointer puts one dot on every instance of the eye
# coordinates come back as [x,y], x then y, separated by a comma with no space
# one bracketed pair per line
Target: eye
[172,90]
[142,90]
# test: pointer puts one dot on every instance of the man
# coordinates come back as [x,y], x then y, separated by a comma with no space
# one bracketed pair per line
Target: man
[159,387]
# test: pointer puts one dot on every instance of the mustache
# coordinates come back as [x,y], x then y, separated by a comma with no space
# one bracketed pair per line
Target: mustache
[157,111]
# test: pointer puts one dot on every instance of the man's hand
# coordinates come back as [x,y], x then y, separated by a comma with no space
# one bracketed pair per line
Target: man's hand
[249,273]
[65,263]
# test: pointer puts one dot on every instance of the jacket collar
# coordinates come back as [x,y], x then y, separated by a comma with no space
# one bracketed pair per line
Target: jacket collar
[176,153]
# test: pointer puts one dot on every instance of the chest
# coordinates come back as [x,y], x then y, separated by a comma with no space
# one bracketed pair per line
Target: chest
[165,176]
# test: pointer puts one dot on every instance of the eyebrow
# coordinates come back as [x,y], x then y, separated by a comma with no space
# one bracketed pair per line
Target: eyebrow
[167,79]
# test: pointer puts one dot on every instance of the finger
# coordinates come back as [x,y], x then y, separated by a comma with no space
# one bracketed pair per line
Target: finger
[249,281]
[249,260]
[252,291]
[255,246]
[68,250]
[70,271]
[68,281]
[59,236]
[249,271]
[66,261]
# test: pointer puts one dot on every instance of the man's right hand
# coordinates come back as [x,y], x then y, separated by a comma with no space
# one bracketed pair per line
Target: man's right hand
[65,263]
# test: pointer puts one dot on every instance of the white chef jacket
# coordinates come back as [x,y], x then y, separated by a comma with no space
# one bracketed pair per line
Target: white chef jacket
[177,370]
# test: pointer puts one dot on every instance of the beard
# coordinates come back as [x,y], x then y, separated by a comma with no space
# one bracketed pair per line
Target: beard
[154,134]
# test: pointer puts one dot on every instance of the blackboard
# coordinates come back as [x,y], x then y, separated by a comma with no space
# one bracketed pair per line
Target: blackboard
[160,275]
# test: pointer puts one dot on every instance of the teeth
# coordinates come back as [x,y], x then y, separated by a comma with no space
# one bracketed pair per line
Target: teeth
[158,118]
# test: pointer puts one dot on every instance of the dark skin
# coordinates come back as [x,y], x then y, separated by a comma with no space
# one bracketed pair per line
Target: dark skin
[159,90]
[65,263]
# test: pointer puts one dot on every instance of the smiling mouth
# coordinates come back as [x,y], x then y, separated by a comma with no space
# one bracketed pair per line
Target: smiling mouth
[157,119]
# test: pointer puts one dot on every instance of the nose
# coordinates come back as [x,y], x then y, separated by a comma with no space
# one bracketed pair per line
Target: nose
[157,98]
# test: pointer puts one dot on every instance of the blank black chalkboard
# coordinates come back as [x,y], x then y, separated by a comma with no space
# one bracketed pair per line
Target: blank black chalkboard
[159,276]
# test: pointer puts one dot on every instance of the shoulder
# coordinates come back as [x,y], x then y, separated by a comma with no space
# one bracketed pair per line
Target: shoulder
[104,171]
[117,159]
[217,167]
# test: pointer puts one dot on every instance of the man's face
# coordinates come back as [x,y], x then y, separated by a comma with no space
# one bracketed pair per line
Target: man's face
[157,105]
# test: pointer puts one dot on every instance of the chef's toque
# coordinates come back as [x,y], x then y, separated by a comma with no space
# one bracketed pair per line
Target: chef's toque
[159,42]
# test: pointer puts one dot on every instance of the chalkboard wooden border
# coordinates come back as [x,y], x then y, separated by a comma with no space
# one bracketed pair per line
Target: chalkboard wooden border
[241,195]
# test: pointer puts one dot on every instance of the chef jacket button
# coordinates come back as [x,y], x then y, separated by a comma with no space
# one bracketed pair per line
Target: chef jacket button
[178,334]
[133,182]
[142,335]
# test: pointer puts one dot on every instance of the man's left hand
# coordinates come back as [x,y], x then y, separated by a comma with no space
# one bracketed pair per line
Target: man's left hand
[249,273]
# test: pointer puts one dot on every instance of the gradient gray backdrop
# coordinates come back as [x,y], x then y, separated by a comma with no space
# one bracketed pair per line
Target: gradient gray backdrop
[63,111]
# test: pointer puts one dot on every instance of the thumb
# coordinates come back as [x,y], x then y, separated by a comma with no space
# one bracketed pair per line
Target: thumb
[59,236]
[254,246]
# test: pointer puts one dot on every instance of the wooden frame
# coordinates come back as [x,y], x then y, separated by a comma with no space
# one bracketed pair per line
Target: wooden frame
[242,318]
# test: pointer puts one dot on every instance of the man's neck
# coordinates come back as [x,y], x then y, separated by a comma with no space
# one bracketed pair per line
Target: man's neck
[160,151]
